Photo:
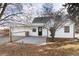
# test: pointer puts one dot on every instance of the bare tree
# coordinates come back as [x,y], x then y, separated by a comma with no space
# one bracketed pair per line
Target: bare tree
[73,11]
[56,18]
[7,9]
[30,12]
[58,22]
[2,8]
[47,9]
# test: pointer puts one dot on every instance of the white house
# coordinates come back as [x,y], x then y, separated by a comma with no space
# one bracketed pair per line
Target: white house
[37,28]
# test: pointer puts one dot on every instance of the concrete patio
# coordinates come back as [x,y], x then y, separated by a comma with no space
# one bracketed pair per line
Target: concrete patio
[33,40]
[7,39]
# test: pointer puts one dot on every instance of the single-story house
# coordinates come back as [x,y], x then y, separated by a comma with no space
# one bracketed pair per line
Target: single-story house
[38,28]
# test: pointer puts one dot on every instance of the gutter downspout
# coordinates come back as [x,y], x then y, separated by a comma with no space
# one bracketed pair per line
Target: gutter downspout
[47,33]
[74,31]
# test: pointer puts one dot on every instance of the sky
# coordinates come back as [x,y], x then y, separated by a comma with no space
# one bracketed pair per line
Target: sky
[57,6]
[31,11]
[37,7]
[34,9]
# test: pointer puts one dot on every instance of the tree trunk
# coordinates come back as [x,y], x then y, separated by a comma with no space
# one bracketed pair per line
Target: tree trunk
[52,30]
[4,7]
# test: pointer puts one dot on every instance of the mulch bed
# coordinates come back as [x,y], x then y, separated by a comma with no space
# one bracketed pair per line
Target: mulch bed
[60,39]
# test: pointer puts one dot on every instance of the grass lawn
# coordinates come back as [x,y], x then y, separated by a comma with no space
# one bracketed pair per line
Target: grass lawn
[50,49]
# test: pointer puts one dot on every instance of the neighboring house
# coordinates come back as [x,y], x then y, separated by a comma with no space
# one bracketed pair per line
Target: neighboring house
[38,28]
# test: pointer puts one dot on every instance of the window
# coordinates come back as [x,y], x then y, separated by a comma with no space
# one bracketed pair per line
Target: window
[34,30]
[66,29]
[40,29]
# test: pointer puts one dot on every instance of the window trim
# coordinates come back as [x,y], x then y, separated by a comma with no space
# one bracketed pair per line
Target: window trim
[66,29]
[34,30]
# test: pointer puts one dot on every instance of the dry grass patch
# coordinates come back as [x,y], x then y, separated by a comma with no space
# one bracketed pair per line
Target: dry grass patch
[49,49]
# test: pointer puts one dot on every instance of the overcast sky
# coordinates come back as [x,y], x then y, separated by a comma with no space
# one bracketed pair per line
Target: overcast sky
[37,7]
[57,6]
[32,11]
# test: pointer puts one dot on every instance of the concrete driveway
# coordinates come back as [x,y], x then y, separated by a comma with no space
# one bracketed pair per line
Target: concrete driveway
[7,39]
[4,40]
[33,40]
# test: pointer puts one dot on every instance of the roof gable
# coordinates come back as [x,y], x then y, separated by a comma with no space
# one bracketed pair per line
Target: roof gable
[41,19]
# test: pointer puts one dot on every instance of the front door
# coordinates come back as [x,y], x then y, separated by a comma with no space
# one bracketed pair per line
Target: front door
[39,31]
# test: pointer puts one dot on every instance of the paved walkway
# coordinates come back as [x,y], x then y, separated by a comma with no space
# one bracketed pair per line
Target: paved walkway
[77,35]
[4,40]
[20,39]
[7,39]
[33,40]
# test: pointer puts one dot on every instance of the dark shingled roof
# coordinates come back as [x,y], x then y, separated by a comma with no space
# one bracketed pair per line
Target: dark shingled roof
[41,19]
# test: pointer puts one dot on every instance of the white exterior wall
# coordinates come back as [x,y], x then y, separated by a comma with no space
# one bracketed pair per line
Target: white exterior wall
[44,32]
[59,34]
[33,33]
[20,31]
[35,25]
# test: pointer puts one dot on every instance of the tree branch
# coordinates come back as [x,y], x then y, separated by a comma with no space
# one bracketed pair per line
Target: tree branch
[9,16]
